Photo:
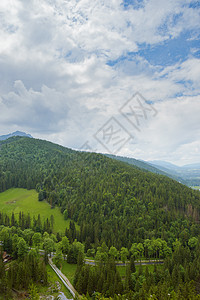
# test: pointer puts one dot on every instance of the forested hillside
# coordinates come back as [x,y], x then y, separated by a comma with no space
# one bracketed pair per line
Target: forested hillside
[111,201]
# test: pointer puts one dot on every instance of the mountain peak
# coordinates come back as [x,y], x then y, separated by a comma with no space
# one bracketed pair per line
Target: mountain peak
[16,133]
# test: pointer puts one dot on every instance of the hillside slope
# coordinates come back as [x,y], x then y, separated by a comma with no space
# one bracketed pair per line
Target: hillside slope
[138,163]
[110,200]
[147,166]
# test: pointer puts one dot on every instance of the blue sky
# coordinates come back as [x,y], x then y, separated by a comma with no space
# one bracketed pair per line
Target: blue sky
[69,68]
[167,53]
[171,51]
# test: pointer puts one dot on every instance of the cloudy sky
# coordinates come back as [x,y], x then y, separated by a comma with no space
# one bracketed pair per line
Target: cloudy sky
[106,75]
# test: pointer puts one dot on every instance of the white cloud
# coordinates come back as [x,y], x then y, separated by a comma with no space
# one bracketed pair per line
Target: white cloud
[173,134]
[41,111]
[55,81]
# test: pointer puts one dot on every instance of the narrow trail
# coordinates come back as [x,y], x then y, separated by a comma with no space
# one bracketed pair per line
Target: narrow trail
[64,279]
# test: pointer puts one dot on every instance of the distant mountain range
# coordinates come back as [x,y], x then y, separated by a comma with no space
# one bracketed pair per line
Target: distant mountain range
[171,166]
[190,173]
[16,133]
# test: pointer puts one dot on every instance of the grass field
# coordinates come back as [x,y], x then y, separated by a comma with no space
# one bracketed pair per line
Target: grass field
[69,270]
[16,200]
[196,187]
[122,269]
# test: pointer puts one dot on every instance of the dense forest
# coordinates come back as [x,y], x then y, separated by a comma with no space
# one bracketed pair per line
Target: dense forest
[119,208]
[178,277]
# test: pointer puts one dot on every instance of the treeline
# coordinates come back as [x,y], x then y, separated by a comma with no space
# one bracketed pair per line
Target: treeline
[24,221]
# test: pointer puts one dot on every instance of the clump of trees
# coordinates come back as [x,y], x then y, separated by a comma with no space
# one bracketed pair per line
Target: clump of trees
[28,267]
[24,221]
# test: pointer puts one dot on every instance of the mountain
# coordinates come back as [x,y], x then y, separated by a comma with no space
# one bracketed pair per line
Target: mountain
[16,133]
[109,200]
[163,164]
[188,174]
[192,166]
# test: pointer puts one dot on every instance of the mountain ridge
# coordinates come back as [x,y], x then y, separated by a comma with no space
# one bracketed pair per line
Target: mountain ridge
[187,174]
[16,133]
[145,165]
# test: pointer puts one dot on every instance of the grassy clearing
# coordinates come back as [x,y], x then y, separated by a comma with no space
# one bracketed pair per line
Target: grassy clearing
[69,270]
[122,269]
[16,200]
[150,268]
[196,187]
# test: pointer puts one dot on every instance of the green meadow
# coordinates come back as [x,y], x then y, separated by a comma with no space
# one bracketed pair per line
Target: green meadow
[26,201]
[122,269]
[196,187]
[69,270]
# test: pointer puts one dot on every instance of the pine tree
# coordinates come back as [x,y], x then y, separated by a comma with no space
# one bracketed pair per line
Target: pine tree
[128,278]
[132,264]
[13,220]
[58,258]
[33,292]
[3,282]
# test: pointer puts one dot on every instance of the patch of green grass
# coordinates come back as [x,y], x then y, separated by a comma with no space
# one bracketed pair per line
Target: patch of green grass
[150,267]
[122,269]
[196,187]
[16,200]
[69,270]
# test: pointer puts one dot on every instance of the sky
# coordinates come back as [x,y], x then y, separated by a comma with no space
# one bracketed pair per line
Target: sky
[111,76]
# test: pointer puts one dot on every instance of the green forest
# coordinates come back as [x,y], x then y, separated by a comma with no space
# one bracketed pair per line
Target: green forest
[115,211]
